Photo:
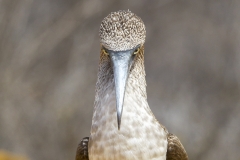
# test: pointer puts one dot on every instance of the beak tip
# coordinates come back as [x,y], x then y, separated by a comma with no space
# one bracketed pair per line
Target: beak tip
[119,127]
[119,121]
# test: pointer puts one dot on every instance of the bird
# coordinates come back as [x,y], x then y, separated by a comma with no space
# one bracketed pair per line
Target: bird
[123,125]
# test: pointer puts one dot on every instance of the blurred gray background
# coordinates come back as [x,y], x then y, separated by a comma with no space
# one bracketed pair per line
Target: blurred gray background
[49,52]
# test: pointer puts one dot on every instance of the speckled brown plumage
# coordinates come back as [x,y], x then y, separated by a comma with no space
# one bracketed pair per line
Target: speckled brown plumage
[82,150]
[175,149]
[122,30]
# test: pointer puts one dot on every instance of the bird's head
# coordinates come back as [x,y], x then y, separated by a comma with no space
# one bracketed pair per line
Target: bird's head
[122,34]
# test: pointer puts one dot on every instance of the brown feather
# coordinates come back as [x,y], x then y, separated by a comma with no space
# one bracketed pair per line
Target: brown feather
[175,149]
[82,150]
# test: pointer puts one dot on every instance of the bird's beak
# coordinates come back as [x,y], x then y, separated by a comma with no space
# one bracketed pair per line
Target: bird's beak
[121,62]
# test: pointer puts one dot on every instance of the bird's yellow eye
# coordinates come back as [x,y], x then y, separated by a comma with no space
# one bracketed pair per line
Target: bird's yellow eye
[105,52]
[136,51]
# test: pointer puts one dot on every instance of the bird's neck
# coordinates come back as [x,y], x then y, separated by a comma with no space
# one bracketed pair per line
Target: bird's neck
[137,118]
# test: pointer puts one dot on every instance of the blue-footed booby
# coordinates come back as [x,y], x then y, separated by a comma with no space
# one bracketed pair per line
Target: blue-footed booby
[123,125]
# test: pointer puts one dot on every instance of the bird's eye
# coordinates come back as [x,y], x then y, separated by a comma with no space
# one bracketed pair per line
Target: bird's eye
[136,51]
[105,52]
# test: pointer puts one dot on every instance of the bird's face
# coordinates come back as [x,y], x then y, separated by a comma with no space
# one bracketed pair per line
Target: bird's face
[122,34]
[121,63]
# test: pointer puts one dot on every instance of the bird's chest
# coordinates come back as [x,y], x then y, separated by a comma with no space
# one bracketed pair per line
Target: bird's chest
[140,136]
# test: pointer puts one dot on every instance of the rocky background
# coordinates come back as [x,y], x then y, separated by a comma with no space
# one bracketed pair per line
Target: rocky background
[49,52]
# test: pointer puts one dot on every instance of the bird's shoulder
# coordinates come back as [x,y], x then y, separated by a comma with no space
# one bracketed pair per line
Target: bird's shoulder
[175,149]
[82,150]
